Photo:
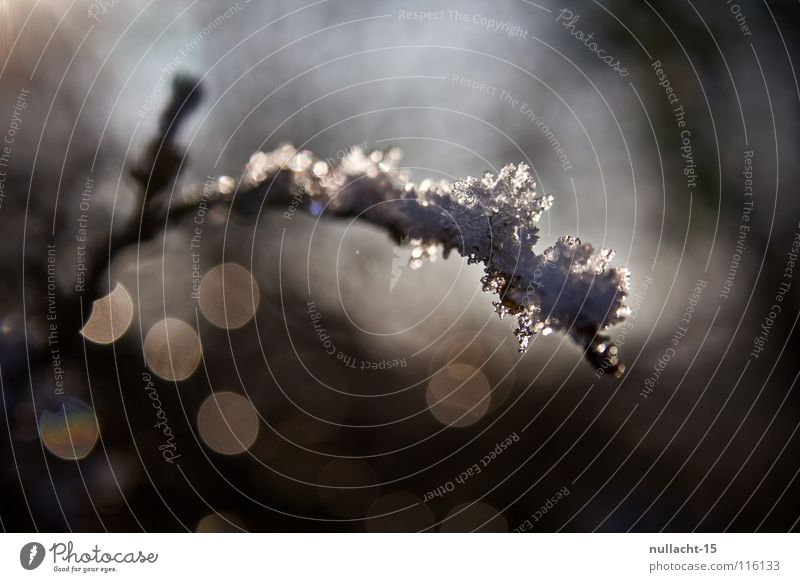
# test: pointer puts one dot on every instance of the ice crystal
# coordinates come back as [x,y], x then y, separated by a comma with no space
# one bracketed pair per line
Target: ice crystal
[569,287]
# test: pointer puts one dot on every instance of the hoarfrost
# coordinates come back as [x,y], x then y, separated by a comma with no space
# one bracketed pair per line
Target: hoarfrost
[569,287]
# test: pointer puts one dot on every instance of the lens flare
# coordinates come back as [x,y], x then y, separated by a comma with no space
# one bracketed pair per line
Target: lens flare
[459,395]
[228,423]
[229,296]
[70,433]
[111,317]
[172,349]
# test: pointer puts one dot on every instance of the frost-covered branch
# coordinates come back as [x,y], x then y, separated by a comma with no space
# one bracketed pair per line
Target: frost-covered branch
[568,287]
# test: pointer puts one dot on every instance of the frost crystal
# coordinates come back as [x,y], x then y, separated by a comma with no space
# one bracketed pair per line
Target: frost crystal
[569,287]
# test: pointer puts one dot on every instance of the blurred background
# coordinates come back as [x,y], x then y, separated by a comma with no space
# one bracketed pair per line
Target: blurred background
[250,371]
